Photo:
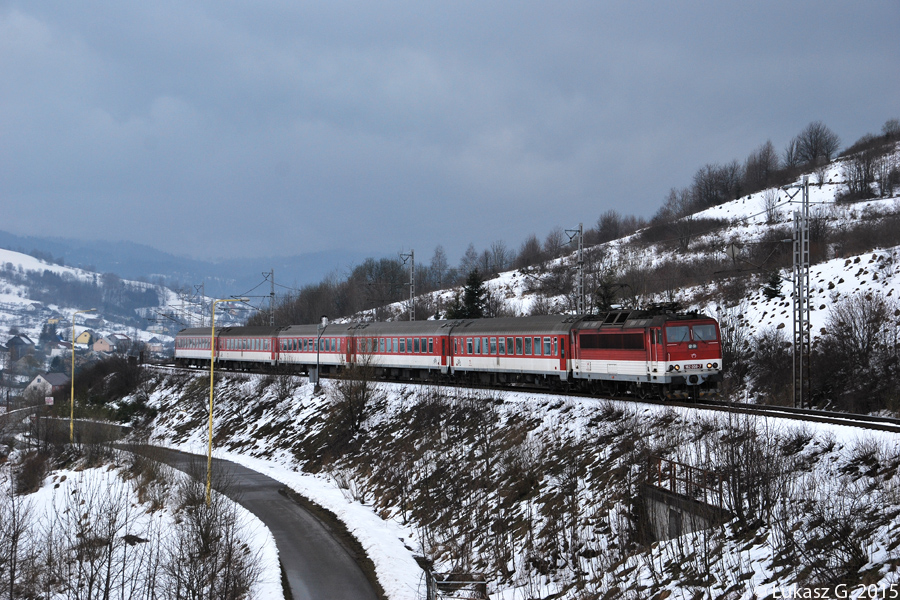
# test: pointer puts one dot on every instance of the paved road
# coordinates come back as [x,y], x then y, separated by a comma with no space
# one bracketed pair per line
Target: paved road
[318,567]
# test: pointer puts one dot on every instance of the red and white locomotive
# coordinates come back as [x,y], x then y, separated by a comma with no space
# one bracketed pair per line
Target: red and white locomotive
[655,352]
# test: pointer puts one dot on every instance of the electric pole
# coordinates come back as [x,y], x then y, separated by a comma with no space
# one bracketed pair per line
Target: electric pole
[801,296]
[579,235]
[412,281]
[271,277]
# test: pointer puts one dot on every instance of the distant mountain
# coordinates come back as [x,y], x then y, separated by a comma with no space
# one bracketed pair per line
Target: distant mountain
[141,262]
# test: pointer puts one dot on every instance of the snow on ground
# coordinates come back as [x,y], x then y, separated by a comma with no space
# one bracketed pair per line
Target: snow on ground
[102,488]
[389,543]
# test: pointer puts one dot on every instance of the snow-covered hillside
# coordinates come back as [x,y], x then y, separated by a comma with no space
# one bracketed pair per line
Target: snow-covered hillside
[541,494]
[34,293]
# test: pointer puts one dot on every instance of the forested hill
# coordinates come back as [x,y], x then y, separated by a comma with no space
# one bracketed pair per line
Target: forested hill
[686,231]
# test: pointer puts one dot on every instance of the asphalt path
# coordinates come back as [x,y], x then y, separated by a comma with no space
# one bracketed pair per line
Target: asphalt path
[317,565]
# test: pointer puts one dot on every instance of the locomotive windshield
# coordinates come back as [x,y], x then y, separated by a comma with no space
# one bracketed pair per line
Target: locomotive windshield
[677,334]
[704,333]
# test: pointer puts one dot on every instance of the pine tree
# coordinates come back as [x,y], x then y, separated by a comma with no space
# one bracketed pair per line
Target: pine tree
[772,289]
[471,305]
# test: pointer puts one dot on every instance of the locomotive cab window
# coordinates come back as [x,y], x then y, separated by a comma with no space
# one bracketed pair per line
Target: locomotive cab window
[677,334]
[704,333]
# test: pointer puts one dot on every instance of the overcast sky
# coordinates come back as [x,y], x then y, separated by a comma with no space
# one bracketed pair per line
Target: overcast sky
[224,129]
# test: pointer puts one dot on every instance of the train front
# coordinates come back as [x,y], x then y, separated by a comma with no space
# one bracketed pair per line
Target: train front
[691,357]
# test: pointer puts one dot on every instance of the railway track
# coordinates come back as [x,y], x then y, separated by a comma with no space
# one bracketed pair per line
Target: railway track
[870,422]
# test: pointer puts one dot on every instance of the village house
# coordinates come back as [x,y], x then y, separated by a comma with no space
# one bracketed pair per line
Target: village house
[47,384]
[19,346]
[85,338]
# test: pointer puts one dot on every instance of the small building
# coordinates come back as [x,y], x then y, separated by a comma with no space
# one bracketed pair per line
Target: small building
[155,346]
[60,349]
[104,344]
[19,346]
[47,384]
[114,342]
[85,338]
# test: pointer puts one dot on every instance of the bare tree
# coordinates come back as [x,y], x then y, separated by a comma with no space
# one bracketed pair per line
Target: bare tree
[16,540]
[355,390]
[761,167]
[609,226]
[530,253]
[770,205]
[555,243]
[439,266]
[817,144]
[206,558]
[792,155]
[469,260]
[501,257]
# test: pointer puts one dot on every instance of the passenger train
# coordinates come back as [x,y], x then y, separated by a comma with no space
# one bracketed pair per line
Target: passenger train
[655,352]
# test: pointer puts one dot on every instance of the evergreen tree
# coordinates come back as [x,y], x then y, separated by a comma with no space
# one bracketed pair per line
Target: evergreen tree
[48,334]
[772,289]
[471,306]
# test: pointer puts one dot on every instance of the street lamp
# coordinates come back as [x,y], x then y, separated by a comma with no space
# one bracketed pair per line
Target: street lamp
[320,329]
[212,361]
[72,400]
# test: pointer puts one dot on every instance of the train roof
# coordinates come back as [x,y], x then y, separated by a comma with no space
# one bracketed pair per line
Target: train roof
[371,329]
[540,324]
[231,331]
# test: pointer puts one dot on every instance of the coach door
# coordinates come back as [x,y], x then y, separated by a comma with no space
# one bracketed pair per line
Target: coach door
[657,355]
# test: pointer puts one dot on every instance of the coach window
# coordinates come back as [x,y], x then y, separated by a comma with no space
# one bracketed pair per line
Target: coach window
[430,345]
[509,346]
[477,345]
[537,346]
[501,346]
[555,352]
[528,346]
[468,345]
[424,345]
[485,345]
[402,345]
[416,345]
[493,346]
[546,346]
[519,346]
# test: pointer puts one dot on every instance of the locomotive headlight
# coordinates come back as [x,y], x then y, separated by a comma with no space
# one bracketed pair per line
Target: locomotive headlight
[715,365]
[709,365]
[677,368]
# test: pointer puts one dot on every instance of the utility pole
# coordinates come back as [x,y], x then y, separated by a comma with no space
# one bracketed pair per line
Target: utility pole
[579,235]
[801,296]
[412,281]
[201,289]
[271,277]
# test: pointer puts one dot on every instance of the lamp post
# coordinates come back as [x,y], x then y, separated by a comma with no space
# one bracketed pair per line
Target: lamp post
[212,361]
[72,399]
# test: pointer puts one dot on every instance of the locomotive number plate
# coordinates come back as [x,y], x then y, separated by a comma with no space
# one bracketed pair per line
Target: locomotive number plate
[693,366]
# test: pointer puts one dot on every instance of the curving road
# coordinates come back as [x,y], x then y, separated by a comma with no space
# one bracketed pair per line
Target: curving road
[317,565]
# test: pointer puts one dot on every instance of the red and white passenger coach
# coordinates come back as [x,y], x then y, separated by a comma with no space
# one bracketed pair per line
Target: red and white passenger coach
[655,352]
